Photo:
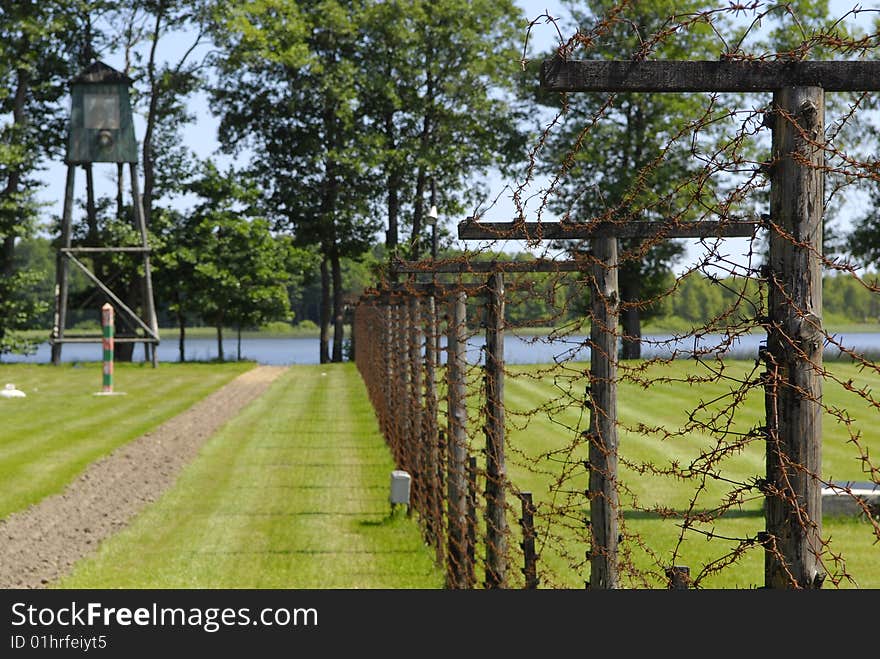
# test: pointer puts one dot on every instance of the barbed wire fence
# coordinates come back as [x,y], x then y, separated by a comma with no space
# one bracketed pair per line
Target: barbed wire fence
[557,475]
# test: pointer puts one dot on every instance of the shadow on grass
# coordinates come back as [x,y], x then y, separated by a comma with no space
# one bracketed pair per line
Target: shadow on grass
[395,517]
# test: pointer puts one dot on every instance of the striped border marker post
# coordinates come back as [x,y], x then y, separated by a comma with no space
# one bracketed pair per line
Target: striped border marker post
[107,344]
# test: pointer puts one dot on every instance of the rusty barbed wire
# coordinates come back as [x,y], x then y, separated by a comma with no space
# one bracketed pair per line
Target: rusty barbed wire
[697,478]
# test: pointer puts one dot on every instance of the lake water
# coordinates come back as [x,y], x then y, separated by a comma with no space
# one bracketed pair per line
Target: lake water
[517,350]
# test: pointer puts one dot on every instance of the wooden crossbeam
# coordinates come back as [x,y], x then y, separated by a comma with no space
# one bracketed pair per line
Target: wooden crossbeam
[99,339]
[707,76]
[402,289]
[464,267]
[434,287]
[439,289]
[120,305]
[95,250]
[472,230]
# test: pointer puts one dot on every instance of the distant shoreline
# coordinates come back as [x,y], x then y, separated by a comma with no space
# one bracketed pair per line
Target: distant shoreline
[293,332]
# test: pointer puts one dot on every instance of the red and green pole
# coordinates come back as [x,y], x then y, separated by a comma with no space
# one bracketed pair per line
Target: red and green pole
[107,344]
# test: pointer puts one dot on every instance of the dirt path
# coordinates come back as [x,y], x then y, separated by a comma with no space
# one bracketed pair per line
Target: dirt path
[41,544]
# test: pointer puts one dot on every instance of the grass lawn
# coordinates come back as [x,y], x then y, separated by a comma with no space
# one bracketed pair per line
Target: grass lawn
[541,448]
[49,437]
[293,493]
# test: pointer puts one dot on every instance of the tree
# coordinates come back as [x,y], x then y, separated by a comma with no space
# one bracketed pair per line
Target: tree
[636,160]
[41,43]
[162,90]
[864,240]
[437,80]
[285,89]
[220,260]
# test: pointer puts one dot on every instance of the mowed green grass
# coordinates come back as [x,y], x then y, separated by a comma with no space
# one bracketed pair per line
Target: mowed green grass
[544,444]
[293,493]
[48,438]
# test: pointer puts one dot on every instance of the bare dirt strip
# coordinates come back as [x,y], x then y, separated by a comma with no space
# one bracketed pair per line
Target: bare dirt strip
[42,543]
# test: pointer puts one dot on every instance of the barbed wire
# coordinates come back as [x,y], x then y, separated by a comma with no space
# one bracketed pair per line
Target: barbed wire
[504,456]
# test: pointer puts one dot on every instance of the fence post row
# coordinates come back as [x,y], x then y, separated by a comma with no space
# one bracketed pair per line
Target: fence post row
[793,356]
[402,385]
[793,515]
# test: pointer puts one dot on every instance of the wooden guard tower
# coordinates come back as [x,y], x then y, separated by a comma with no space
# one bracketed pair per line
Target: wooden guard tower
[101,130]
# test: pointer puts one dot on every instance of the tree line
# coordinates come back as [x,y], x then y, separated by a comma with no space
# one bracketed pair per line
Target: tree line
[344,123]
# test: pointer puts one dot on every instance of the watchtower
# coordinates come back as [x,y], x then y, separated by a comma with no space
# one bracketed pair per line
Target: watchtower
[101,130]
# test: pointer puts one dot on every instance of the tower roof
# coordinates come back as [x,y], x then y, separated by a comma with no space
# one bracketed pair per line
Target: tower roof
[98,72]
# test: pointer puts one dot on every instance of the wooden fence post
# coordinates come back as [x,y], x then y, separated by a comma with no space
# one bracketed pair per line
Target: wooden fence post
[679,577]
[414,439]
[456,461]
[400,373]
[795,341]
[471,540]
[496,514]
[603,415]
[530,557]
[387,361]
[430,440]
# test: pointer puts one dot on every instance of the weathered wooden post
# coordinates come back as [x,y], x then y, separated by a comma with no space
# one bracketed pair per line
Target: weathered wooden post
[530,557]
[679,577]
[398,384]
[471,535]
[496,515]
[403,409]
[430,440]
[414,439]
[603,415]
[387,347]
[795,341]
[457,452]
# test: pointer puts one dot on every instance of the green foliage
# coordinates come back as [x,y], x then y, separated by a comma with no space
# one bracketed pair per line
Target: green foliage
[285,88]
[849,298]
[39,47]
[636,162]
[437,84]
[221,262]
[17,311]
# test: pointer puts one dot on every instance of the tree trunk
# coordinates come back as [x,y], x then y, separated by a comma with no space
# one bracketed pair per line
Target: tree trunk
[220,343]
[124,352]
[415,241]
[338,326]
[238,344]
[325,312]
[393,182]
[120,190]
[630,316]
[19,121]
[148,156]
[181,340]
